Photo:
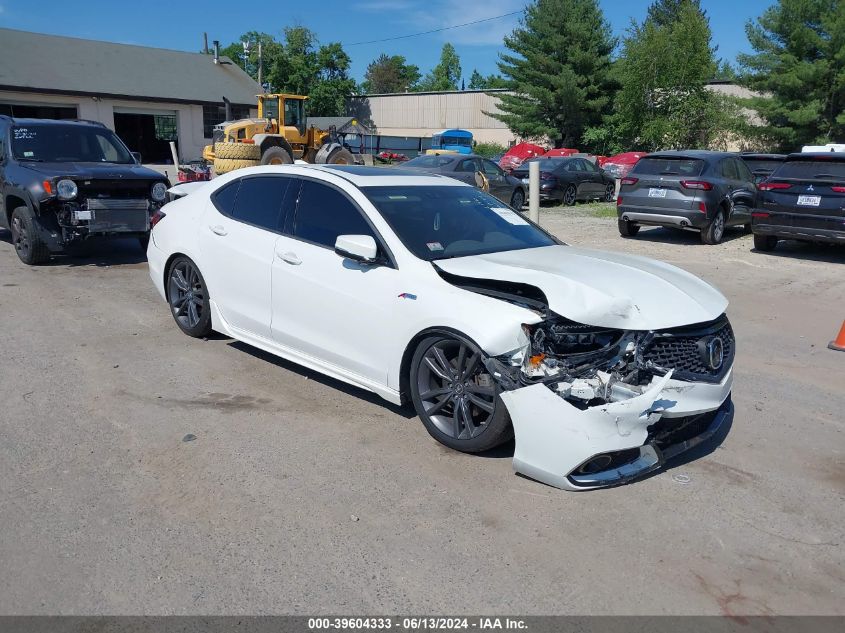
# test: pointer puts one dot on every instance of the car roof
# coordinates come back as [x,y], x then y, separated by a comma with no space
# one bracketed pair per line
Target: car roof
[700,154]
[837,156]
[357,175]
[758,156]
[19,121]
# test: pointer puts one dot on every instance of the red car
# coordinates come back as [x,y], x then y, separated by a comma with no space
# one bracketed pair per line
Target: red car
[518,154]
[619,165]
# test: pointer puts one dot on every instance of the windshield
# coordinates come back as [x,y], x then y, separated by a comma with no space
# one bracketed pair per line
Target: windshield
[442,222]
[811,170]
[54,143]
[668,166]
[428,162]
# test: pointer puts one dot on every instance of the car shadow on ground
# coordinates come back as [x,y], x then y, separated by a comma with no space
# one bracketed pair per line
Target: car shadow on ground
[406,411]
[102,254]
[680,236]
[813,251]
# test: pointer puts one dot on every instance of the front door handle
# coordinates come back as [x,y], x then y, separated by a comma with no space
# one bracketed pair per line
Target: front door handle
[218,230]
[289,258]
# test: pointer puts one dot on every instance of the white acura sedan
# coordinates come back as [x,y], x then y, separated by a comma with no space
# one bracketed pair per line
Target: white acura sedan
[423,289]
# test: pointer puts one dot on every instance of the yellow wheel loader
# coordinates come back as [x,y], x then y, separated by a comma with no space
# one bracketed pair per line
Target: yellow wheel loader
[278,136]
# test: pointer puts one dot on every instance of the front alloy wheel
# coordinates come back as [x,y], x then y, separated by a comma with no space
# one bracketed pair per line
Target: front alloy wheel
[456,397]
[609,192]
[517,200]
[188,298]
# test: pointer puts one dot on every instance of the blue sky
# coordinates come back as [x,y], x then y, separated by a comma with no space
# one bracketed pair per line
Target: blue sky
[180,25]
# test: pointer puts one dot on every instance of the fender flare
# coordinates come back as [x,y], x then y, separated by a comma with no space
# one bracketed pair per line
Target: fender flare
[324,152]
[24,195]
[265,141]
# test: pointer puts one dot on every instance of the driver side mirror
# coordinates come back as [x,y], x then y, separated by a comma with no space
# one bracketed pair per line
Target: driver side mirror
[136,156]
[361,248]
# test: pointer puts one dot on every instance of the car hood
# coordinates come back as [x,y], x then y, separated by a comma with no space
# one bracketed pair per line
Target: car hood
[95,171]
[601,288]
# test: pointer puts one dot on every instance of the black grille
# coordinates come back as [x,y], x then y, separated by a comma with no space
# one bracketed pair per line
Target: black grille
[670,431]
[681,350]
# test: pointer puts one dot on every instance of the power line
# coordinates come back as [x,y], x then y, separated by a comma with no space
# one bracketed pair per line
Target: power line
[445,28]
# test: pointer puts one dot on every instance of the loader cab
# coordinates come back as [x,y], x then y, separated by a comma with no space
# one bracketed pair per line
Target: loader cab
[292,108]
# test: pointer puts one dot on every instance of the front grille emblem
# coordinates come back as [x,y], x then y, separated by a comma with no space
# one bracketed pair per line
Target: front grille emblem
[712,352]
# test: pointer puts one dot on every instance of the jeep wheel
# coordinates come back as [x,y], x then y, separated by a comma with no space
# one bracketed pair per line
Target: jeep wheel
[276,156]
[28,245]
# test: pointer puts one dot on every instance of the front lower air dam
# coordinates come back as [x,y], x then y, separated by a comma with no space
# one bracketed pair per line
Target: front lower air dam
[577,449]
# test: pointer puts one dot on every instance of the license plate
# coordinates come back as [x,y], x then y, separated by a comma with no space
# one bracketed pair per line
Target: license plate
[654,192]
[525,181]
[809,201]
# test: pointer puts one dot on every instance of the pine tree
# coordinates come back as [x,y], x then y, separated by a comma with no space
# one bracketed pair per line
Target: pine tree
[799,64]
[559,70]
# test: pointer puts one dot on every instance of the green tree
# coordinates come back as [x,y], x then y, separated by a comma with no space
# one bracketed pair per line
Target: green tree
[477,81]
[665,12]
[270,51]
[799,65]
[663,101]
[447,73]
[390,74]
[333,84]
[558,68]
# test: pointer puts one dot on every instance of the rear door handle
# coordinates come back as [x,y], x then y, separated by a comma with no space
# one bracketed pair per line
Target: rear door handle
[218,230]
[289,258]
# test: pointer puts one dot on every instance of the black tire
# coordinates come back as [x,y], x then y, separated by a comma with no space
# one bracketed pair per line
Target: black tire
[715,231]
[187,296]
[340,156]
[517,199]
[765,243]
[456,399]
[27,242]
[570,195]
[609,192]
[627,229]
[144,241]
[276,156]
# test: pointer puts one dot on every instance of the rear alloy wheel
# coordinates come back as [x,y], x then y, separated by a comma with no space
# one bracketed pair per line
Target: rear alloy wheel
[517,199]
[609,192]
[715,231]
[627,229]
[28,245]
[765,243]
[188,298]
[569,196]
[456,397]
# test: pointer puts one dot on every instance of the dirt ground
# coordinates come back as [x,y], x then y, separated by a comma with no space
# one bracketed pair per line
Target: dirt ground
[299,494]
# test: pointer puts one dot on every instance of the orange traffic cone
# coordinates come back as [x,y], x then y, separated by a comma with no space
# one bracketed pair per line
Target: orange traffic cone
[839,342]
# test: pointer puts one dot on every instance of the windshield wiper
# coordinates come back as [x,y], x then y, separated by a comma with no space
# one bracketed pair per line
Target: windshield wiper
[832,176]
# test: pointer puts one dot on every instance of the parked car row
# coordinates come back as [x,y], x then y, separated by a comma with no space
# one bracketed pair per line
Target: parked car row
[798,196]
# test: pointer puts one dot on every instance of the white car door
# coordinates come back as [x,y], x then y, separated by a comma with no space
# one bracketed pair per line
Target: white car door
[237,238]
[325,305]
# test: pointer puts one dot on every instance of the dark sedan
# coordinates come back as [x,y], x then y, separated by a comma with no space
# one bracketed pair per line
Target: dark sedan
[470,169]
[697,189]
[803,199]
[569,179]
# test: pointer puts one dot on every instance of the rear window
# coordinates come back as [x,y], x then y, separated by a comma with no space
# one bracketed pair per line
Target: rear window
[662,166]
[762,165]
[811,170]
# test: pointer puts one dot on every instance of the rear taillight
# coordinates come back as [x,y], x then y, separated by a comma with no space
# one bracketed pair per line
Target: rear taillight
[619,201]
[630,180]
[759,214]
[702,207]
[769,186]
[703,185]
[838,189]
[156,217]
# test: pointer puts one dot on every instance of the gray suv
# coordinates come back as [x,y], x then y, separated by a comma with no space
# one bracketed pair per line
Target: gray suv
[695,190]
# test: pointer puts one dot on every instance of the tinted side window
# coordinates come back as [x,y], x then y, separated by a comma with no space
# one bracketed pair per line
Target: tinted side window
[727,169]
[589,166]
[744,173]
[323,213]
[491,168]
[224,198]
[259,201]
[467,166]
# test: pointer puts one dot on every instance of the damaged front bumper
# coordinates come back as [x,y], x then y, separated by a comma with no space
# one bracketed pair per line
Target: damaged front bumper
[610,444]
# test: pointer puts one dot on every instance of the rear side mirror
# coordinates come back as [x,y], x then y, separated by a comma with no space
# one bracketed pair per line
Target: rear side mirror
[136,156]
[361,248]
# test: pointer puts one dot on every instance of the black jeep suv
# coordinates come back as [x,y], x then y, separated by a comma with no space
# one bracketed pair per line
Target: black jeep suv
[63,183]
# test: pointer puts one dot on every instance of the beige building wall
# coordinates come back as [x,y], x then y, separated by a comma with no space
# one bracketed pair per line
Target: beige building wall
[423,114]
[188,116]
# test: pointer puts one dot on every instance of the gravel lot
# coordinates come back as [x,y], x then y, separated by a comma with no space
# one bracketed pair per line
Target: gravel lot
[302,495]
